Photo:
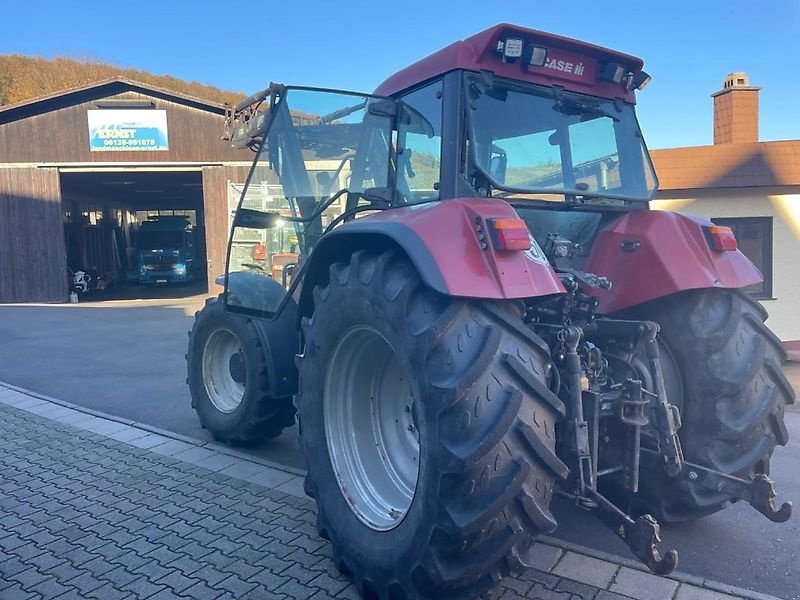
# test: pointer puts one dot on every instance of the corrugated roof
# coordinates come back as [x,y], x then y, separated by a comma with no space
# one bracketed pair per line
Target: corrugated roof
[753,164]
[99,89]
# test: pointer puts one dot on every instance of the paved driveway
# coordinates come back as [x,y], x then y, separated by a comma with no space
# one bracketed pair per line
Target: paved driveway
[126,359]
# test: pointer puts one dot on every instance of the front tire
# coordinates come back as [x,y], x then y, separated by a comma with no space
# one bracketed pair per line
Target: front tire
[227,377]
[731,394]
[429,432]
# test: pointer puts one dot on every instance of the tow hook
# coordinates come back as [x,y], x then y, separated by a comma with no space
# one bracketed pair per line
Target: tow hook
[643,537]
[759,493]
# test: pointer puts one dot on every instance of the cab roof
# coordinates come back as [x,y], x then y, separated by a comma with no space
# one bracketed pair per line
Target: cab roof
[479,52]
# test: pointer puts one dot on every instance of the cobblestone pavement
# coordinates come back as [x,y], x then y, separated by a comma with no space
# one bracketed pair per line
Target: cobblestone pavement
[96,508]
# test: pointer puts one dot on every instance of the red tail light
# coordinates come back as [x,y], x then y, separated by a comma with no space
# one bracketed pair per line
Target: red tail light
[721,238]
[509,234]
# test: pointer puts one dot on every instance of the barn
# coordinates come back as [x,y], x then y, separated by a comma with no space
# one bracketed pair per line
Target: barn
[83,169]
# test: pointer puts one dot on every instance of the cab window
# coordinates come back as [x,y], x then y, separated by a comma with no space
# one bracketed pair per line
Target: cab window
[419,154]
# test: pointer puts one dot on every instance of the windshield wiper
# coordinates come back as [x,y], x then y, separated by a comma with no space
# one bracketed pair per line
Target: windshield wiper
[570,106]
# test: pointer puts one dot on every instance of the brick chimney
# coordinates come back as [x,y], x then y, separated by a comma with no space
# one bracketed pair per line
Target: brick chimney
[736,110]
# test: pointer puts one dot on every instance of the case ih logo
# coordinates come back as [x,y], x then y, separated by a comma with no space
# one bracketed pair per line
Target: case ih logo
[566,65]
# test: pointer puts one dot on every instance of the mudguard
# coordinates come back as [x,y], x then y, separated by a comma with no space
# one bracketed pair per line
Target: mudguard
[443,240]
[281,342]
[651,254]
[278,335]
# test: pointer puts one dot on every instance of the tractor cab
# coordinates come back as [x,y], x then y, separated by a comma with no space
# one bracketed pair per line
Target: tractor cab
[516,115]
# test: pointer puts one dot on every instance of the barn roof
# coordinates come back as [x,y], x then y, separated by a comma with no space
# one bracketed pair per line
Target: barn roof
[96,91]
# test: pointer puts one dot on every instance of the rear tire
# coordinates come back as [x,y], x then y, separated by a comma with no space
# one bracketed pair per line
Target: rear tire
[731,395]
[227,377]
[474,380]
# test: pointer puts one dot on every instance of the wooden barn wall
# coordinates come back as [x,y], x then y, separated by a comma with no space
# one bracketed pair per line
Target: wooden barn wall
[215,201]
[32,251]
[62,135]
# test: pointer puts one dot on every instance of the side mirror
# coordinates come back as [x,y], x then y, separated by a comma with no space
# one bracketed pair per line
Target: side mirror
[256,219]
[498,165]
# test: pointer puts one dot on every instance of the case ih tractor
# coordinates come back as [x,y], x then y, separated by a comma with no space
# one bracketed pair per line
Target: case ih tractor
[484,314]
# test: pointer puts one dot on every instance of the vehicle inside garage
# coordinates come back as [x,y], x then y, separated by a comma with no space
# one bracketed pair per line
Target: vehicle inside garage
[134,232]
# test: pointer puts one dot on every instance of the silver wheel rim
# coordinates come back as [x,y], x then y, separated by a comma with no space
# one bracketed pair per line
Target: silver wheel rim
[224,370]
[370,430]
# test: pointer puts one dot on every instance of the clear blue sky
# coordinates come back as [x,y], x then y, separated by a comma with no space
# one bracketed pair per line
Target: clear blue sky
[688,45]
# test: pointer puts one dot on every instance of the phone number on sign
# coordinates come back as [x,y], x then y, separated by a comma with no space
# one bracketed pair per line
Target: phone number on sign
[135,143]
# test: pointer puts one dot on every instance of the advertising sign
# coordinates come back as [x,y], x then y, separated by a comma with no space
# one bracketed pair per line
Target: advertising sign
[127,130]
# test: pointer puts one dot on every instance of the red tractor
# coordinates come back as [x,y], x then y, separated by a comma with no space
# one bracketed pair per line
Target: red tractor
[484,313]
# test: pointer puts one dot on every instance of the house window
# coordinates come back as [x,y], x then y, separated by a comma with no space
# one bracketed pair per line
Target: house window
[754,235]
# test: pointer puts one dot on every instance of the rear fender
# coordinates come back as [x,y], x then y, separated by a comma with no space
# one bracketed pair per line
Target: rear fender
[279,336]
[443,241]
[281,342]
[651,254]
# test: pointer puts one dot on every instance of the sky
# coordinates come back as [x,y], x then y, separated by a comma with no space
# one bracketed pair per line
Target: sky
[688,46]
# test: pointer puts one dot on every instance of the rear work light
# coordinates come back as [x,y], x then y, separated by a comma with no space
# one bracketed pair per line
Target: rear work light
[721,238]
[509,234]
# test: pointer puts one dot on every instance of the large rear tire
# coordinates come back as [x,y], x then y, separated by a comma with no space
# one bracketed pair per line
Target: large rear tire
[429,432]
[227,377]
[729,388]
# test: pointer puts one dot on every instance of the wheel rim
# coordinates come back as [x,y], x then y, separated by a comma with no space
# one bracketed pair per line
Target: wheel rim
[224,370]
[372,437]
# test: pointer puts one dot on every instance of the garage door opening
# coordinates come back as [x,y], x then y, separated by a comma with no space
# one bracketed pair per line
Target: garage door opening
[134,234]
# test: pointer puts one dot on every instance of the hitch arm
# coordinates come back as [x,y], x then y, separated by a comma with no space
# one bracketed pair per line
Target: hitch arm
[641,535]
[759,493]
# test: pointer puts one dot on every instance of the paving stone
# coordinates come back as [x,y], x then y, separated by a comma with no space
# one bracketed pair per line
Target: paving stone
[586,569]
[544,556]
[293,589]
[235,585]
[120,577]
[15,592]
[143,588]
[45,561]
[210,575]
[177,581]
[606,595]
[63,572]
[86,582]
[643,586]
[29,578]
[269,579]
[539,592]
[577,589]
[691,592]
[108,592]
[299,573]
[518,586]
[201,591]
[50,588]
[329,584]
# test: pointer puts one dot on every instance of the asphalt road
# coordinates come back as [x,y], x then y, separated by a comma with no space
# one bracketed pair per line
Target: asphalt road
[126,359]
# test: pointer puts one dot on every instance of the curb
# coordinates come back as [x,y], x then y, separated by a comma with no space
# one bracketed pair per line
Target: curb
[221,448]
[174,445]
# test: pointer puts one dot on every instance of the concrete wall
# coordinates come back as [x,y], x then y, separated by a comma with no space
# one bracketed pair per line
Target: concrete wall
[783,205]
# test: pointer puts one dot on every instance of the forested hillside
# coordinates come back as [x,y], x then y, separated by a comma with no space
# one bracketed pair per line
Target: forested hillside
[26,77]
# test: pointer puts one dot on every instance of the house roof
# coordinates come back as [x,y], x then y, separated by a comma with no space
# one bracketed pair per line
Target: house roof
[755,164]
[95,91]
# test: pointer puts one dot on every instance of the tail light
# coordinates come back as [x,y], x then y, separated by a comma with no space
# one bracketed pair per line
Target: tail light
[721,238]
[509,234]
